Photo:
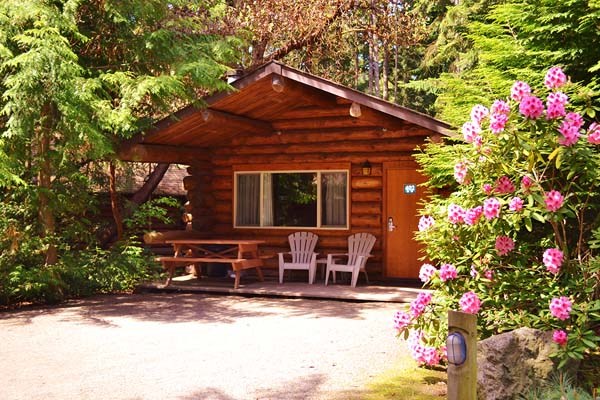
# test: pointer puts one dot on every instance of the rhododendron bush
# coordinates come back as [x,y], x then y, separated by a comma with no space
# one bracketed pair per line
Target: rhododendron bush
[513,237]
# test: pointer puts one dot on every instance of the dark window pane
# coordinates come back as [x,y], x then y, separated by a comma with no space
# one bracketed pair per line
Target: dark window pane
[295,199]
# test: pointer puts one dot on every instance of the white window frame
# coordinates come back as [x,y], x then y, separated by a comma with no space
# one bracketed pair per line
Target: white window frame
[319,213]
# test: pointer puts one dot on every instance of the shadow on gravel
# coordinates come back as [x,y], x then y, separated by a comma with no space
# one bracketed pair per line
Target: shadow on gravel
[186,307]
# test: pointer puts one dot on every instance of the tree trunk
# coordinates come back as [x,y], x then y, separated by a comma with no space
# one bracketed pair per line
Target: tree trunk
[114,202]
[44,184]
[141,196]
[396,74]
[386,66]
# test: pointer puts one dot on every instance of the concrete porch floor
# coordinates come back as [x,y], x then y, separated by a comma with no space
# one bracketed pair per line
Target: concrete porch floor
[251,286]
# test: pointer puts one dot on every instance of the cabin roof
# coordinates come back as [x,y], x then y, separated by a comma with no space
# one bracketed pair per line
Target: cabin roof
[305,103]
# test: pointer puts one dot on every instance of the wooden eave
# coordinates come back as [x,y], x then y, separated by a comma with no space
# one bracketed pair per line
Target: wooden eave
[307,103]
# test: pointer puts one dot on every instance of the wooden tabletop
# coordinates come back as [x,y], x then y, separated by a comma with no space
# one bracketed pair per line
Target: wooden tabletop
[214,241]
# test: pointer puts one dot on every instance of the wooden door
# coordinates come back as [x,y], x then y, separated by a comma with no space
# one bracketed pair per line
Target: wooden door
[402,199]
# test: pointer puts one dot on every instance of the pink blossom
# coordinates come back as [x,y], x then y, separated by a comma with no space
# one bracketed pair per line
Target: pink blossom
[515,204]
[498,122]
[554,200]
[491,208]
[470,303]
[431,356]
[555,105]
[575,119]
[500,107]
[474,272]
[489,274]
[460,172]
[531,107]
[526,183]
[555,78]
[487,188]
[519,90]
[401,320]
[594,133]
[419,352]
[504,185]
[569,132]
[560,307]
[470,131]
[456,214]
[478,141]
[472,215]
[553,259]
[560,337]
[426,222]
[448,272]
[417,306]
[426,272]
[504,245]
[478,113]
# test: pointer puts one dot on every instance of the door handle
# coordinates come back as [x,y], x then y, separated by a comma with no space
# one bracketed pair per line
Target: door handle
[390,225]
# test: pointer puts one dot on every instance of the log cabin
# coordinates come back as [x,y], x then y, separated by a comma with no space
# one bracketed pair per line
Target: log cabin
[288,151]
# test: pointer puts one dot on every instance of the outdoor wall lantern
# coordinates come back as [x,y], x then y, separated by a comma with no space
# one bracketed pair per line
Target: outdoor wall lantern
[456,348]
[277,83]
[366,168]
[355,110]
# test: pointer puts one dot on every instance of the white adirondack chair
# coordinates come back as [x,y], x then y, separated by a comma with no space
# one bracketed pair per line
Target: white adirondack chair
[302,246]
[359,249]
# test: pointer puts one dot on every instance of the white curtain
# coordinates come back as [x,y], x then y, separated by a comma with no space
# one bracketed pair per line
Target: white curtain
[267,199]
[248,200]
[334,198]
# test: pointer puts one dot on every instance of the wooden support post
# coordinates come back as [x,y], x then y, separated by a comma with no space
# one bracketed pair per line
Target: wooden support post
[462,379]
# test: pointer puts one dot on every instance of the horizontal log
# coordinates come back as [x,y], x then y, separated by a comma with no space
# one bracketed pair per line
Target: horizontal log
[366,195]
[367,182]
[320,123]
[338,147]
[222,183]
[365,221]
[296,136]
[222,207]
[160,154]
[312,158]
[373,208]
[222,195]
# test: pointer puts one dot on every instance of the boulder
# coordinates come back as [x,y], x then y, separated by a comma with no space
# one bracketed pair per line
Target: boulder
[514,362]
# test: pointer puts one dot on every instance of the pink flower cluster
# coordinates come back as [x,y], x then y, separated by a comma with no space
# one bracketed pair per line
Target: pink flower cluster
[426,222]
[478,113]
[504,245]
[491,208]
[560,307]
[554,200]
[515,204]
[555,78]
[531,107]
[594,133]
[487,188]
[569,129]
[427,272]
[498,122]
[471,132]
[417,306]
[560,337]
[456,214]
[448,272]
[401,320]
[553,259]
[420,353]
[470,303]
[526,183]
[472,215]
[460,172]
[555,105]
[504,185]
[519,90]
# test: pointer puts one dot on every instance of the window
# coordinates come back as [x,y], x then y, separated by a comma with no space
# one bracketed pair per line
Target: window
[309,199]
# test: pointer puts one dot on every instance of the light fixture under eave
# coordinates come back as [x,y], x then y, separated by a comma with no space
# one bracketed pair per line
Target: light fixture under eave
[277,83]
[355,110]
[206,115]
[366,168]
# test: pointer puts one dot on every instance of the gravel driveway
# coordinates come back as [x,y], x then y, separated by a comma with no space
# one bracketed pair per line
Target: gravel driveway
[194,346]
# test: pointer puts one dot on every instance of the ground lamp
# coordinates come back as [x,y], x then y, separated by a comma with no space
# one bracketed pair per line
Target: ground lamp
[461,347]
[456,347]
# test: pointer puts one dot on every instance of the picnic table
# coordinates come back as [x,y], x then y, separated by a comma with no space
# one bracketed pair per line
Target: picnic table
[242,254]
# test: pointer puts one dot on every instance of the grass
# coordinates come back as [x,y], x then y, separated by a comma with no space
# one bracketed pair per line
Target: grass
[406,381]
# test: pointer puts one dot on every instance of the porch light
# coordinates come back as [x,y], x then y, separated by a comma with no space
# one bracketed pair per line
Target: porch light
[366,168]
[456,348]
[355,110]
[205,115]
[277,83]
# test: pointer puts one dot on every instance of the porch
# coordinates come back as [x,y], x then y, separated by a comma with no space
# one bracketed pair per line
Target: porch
[404,292]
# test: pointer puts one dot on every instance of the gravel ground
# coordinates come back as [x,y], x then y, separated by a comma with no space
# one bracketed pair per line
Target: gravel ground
[194,346]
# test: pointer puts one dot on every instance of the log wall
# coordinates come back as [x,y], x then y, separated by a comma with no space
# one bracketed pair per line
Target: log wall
[210,184]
